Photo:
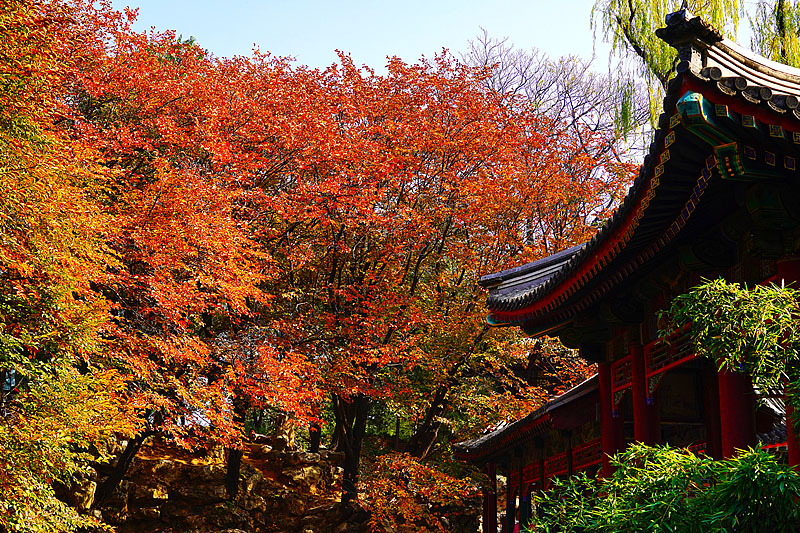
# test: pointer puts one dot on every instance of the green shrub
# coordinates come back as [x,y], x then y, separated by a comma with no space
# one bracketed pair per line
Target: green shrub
[668,490]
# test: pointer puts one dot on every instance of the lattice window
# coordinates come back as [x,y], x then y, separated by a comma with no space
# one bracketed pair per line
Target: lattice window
[588,454]
[621,378]
[621,373]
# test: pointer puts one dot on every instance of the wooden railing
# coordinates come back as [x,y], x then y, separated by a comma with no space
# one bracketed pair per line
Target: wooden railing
[586,455]
[531,473]
[621,379]
[698,448]
[556,465]
[583,456]
[660,356]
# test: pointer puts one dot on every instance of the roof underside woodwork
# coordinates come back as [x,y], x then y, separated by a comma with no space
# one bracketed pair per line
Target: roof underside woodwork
[728,116]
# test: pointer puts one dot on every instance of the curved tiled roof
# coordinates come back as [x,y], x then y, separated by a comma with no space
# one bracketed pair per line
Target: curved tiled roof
[647,219]
[535,423]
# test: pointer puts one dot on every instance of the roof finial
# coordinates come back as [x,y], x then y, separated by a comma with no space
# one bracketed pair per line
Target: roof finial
[685,4]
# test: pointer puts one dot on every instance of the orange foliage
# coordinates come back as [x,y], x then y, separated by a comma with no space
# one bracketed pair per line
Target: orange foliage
[227,234]
[405,495]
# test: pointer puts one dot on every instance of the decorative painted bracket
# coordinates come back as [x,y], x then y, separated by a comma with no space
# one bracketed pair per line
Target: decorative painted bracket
[716,124]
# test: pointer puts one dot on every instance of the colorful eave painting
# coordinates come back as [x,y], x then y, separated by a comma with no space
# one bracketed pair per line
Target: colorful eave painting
[728,115]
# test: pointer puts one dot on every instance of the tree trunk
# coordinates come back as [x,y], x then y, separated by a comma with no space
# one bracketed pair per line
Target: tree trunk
[3,379]
[234,464]
[314,437]
[283,438]
[234,459]
[397,434]
[351,414]
[424,437]
[107,487]
[336,437]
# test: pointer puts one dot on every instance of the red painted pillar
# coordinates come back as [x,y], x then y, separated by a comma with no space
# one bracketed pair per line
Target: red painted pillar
[511,506]
[608,429]
[542,478]
[789,274]
[490,501]
[712,410]
[524,504]
[736,412]
[644,416]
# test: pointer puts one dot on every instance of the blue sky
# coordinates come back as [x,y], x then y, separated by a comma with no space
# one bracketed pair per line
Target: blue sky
[311,30]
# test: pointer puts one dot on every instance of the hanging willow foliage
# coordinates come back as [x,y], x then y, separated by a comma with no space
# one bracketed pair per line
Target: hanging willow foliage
[775,31]
[630,26]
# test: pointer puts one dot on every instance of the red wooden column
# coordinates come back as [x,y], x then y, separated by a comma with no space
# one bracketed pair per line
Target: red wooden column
[644,416]
[523,496]
[789,274]
[490,501]
[609,434]
[712,410]
[511,504]
[736,412]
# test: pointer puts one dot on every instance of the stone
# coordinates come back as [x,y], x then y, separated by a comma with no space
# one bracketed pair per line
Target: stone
[201,491]
[209,473]
[301,457]
[250,478]
[250,502]
[119,498]
[165,471]
[149,493]
[260,438]
[336,458]
[217,454]
[310,458]
[149,513]
[278,492]
[306,476]
[312,522]
[294,504]
[325,508]
[260,451]
[82,493]
[177,510]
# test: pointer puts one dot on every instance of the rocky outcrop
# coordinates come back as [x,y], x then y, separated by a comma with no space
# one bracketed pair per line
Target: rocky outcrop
[169,490]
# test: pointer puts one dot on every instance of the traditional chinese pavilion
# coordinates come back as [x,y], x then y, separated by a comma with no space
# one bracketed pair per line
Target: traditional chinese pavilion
[718,195]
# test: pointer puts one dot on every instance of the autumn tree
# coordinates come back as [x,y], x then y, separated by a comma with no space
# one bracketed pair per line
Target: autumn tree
[57,399]
[187,239]
[175,128]
[127,246]
[403,191]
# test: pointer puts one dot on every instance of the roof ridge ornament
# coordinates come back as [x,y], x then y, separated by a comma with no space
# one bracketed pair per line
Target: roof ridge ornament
[683,27]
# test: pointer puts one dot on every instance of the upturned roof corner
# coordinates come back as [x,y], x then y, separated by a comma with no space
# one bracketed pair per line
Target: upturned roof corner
[683,27]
